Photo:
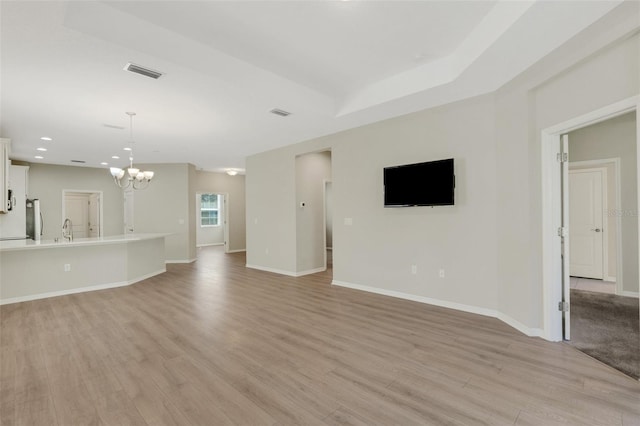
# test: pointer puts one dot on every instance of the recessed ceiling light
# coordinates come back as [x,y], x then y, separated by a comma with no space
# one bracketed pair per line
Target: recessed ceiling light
[115,157]
[41,149]
[46,138]
[127,149]
[39,157]
[104,163]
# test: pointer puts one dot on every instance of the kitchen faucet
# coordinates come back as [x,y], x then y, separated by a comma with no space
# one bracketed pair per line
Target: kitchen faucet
[67,230]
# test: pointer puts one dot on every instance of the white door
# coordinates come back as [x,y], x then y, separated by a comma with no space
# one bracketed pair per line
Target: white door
[76,207]
[586,219]
[128,212]
[94,215]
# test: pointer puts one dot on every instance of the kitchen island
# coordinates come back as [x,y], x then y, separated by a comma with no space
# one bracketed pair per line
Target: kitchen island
[32,270]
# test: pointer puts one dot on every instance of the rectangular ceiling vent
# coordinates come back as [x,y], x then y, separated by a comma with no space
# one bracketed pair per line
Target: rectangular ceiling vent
[78,161]
[280,112]
[142,71]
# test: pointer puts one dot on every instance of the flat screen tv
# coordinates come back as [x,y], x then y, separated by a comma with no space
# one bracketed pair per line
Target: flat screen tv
[431,183]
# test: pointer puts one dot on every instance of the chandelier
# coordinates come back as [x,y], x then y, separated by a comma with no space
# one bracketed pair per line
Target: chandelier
[135,178]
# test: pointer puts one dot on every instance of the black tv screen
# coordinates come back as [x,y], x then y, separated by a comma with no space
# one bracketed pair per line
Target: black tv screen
[430,183]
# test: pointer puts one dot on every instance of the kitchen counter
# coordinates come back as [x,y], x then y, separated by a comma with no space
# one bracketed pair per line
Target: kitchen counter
[27,244]
[32,270]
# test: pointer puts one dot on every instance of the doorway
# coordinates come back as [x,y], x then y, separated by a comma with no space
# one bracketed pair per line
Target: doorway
[604,228]
[84,209]
[211,223]
[556,250]
[328,224]
[594,247]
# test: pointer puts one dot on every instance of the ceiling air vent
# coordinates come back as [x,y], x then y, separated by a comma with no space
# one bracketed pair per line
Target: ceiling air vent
[142,71]
[280,112]
[78,161]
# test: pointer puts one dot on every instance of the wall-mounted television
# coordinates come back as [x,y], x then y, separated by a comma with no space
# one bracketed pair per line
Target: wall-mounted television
[431,183]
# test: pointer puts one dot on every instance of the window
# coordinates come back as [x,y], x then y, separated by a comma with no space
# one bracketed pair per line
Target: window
[209,209]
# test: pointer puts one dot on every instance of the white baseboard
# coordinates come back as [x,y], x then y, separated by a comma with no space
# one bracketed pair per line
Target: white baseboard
[528,331]
[79,289]
[180,261]
[310,271]
[446,304]
[283,272]
[630,294]
[610,279]
[274,270]
[209,245]
[237,251]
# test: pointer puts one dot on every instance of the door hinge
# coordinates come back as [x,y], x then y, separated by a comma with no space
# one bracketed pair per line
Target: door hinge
[563,306]
[563,232]
[562,157]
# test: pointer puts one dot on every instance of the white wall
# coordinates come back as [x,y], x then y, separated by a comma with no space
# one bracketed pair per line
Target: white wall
[271,209]
[47,181]
[536,100]
[312,170]
[382,244]
[610,139]
[167,206]
[490,242]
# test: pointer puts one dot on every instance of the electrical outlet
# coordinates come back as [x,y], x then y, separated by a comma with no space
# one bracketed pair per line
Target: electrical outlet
[441,273]
[414,269]
[67,267]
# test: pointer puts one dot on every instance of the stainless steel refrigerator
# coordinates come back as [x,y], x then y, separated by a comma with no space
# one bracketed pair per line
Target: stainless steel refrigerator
[34,222]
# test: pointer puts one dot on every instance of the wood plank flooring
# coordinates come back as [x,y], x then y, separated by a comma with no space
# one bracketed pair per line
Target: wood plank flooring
[215,343]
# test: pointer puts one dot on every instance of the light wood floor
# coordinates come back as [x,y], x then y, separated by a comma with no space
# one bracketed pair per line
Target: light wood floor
[214,343]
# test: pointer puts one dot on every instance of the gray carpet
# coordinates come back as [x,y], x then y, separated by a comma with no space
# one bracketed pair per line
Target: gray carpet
[605,326]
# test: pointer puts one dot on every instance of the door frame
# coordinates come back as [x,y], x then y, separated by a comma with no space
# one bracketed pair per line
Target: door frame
[225,223]
[324,218]
[602,164]
[84,191]
[552,262]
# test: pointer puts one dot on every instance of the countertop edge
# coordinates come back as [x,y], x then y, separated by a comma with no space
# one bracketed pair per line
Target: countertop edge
[15,245]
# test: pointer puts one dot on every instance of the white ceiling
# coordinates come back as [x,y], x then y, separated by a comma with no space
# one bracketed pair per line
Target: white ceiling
[333,64]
